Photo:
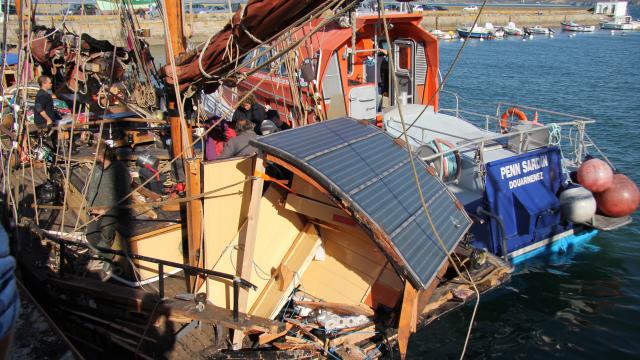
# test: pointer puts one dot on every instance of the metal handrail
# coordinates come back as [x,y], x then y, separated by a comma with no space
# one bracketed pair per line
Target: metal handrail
[557,113]
[500,136]
[236,281]
[457,100]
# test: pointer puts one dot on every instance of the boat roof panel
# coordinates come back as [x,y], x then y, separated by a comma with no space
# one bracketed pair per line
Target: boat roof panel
[370,173]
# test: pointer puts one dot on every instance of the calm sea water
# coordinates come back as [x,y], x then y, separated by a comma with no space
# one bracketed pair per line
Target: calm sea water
[586,304]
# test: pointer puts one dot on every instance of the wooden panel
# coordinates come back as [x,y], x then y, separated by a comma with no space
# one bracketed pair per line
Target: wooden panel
[165,245]
[301,187]
[296,260]
[386,290]
[320,210]
[246,244]
[349,270]
[408,318]
[277,230]
[224,214]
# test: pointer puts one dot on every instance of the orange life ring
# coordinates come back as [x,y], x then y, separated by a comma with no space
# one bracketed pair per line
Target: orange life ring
[514,111]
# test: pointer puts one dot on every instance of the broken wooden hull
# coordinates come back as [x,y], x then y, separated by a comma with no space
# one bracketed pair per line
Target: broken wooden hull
[321,269]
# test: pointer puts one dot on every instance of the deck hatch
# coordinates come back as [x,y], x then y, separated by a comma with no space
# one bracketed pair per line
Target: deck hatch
[364,168]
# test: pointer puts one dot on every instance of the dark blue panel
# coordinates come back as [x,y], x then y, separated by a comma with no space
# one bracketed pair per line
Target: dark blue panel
[522,191]
[367,170]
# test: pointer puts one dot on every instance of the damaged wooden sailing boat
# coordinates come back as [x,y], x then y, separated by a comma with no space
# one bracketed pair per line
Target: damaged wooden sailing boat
[334,240]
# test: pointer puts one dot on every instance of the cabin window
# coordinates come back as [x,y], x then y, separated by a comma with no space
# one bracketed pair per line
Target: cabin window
[350,64]
[248,59]
[331,81]
[403,57]
[263,59]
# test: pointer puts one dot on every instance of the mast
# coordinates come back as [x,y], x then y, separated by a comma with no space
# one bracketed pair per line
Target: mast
[181,137]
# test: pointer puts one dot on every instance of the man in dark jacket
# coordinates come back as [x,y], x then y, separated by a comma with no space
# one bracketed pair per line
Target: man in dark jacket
[239,145]
[44,114]
[110,182]
[252,111]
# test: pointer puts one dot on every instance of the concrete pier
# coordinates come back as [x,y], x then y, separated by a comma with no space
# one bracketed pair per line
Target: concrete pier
[501,16]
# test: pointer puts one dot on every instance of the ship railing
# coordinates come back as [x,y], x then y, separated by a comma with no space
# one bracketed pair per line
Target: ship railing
[575,140]
[236,281]
[457,97]
[479,144]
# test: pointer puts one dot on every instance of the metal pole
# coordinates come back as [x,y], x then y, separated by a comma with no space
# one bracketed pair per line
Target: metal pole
[161,279]
[236,292]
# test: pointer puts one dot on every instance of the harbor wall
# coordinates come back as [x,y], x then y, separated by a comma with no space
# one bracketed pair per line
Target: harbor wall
[549,17]
[108,26]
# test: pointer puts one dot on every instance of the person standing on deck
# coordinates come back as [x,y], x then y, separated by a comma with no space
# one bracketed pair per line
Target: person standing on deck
[217,137]
[252,111]
[109,183]
[239,145]
[44,114]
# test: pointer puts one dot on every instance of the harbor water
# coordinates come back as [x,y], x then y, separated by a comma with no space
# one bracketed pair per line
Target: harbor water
[584,304]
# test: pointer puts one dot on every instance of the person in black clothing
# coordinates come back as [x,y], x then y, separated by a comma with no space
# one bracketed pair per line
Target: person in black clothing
[250,110]
[44,114]
[274,116]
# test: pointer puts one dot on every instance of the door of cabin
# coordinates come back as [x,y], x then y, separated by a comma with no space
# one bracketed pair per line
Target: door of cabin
[404,67]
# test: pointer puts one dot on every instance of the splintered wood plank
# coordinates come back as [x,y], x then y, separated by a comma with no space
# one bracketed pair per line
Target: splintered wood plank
[218,316]
[356,337]
[142,301]
[194,218]
[408,318]
[247,241]
[269,337]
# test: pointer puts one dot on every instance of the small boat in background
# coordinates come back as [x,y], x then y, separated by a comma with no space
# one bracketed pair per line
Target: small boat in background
[443,35]
[622,23]
[477,32]
[572,26]
[480,32]
[537,30]
[512,30]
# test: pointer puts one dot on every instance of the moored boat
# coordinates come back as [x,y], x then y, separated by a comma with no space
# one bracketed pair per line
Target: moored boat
[512,30]
[442,35]
[575,27]
[625,23]
[477,32]
[537,30]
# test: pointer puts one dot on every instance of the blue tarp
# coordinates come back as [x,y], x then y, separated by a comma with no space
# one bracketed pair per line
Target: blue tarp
[9,302]
[12,59]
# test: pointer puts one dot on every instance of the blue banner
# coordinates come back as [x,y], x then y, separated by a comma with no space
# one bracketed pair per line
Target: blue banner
[522,190]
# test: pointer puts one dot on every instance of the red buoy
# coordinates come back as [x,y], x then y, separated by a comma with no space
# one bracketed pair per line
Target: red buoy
[595,175]
[621,199]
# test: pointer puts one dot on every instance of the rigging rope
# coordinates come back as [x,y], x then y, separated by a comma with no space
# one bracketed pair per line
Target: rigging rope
[415,171]
[446,76]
